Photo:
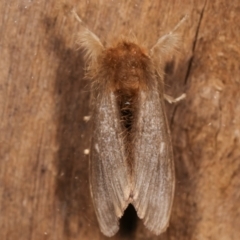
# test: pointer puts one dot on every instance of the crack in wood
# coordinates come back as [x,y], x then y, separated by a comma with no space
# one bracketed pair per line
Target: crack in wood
[195,43]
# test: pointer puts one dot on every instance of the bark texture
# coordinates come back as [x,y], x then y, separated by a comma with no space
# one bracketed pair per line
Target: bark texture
[44,188]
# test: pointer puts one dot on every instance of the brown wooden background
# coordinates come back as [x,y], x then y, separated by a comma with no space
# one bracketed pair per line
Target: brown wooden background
[44,192]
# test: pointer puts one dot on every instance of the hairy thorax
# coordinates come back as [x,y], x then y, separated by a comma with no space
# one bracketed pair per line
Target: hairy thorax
[127,64]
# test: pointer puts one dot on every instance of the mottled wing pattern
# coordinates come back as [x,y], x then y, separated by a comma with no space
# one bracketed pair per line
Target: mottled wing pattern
[153,169]
[110,184]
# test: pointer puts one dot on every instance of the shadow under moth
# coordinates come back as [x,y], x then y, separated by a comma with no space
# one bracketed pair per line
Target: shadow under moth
[131,158]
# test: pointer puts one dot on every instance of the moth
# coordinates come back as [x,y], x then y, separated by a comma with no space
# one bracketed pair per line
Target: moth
[131,157]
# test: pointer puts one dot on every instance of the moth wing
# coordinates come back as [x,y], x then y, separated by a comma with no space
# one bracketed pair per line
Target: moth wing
[110,185]
[153,171]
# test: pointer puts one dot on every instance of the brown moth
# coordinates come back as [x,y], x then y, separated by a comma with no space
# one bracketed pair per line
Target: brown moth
[131,157]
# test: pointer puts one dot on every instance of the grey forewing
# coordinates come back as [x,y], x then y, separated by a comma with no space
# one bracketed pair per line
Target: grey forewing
[151,185]
[153,169]
[110,181]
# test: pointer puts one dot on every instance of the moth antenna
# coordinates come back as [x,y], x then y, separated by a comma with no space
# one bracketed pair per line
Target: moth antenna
[180,23]
[166,45]
[91,44]
[88,41]
[77,17]
[162,42]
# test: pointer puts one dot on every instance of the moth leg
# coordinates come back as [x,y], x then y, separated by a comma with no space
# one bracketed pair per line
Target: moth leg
[171,100]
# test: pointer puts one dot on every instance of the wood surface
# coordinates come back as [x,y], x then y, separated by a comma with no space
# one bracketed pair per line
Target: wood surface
[44,188]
